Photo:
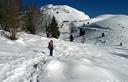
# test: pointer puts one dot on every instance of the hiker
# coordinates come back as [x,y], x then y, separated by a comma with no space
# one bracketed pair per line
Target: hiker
[51,47]
[71,38]
[120,44]
[48,34]
[82,32]
[103,34]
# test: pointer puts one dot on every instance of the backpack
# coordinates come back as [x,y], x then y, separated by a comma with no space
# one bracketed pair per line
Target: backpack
[50,45]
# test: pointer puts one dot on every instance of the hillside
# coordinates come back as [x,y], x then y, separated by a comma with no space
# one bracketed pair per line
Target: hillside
[65,16]
[27,60]
[114,27]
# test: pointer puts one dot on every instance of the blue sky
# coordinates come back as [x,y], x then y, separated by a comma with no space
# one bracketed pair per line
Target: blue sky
[91,7]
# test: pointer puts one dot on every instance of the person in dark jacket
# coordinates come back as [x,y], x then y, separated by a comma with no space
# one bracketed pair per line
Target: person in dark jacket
[71,38]
[48,34]
[51,47]
[103,34]
[121,44]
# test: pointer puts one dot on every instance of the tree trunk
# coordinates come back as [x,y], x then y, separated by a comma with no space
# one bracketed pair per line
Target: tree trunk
[13,33]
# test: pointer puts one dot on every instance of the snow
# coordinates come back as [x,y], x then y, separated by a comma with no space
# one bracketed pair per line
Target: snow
[27,60]
[66,17]
[99,59]
[65,13]
[113,26]
[74,71]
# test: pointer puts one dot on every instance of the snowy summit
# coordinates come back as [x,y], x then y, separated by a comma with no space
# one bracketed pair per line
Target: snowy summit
[66,17]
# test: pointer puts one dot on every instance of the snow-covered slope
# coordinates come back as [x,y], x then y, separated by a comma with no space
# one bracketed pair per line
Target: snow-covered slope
[64,15]
[27,60]
[114,27]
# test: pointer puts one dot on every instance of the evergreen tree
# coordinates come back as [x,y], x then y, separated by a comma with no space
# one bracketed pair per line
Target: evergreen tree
[53,29]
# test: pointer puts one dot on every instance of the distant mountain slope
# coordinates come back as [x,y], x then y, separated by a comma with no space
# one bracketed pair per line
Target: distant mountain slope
[64,15]
[114,27]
